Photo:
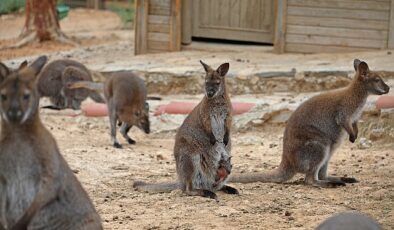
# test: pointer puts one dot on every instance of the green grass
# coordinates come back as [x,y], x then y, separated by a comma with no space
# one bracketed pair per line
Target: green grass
[9,6]
[125,11]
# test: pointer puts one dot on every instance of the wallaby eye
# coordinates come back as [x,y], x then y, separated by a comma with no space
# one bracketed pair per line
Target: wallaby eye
[3,97]
[376,80]
[26,96]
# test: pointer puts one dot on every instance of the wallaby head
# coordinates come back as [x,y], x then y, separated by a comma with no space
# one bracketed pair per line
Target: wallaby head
[214,79]
[139,117]
[371,80]
[19,97]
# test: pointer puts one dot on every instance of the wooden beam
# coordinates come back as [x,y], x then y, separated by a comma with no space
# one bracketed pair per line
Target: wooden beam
[390,43]
[141,26]
[280,26]
[175,25]
[187,21]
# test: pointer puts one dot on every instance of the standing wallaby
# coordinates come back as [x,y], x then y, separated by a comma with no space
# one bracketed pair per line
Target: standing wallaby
[349,221]
[126,97]
[316,129]
[56,75]
[38,190]
[202,144]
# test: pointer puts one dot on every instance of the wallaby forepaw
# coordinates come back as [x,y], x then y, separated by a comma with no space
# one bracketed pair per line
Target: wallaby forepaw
[209,194]
[352,138]
[349,180]
[131,141]
[117,145]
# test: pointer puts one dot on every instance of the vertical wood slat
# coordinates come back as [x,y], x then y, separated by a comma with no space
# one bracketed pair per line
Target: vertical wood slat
[280,25]
[390,43]
[141,27]
[187,18]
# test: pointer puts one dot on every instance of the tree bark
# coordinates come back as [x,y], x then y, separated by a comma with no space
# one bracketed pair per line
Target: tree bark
[41,23]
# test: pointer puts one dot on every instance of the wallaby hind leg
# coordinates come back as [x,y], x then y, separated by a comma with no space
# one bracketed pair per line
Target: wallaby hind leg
[124,129]
[324,176]
[229,190]
[199,192]
[112,120]
[314,155]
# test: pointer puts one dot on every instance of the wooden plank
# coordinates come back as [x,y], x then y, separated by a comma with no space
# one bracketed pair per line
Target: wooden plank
[186,15]
[249,11]
[338,13]
[309,48]
[280,25]
[159,7]
[337,32]
[341,4]
[336,41]
[390,42]
[158,19]
[160,28]
[267,19]
[158,45]
[141,29]
[337,22]
[175,26]
[158,37]
[235,13]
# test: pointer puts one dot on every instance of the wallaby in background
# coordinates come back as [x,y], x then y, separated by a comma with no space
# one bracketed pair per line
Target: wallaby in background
[316,129]
[56,75]
[202,144]
[126,97]
[38,190]
[349,221]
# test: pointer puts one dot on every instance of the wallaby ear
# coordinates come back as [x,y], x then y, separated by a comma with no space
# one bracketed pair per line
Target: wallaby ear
[356,62]
[38,64]
[223,69]
[206,67]
[22,65]
[363,69]
[4,71]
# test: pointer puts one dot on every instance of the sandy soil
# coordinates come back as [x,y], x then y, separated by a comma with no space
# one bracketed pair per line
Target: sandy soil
[108,173]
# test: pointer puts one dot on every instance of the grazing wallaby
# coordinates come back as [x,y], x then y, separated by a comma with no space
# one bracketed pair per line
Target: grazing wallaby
[316,129]
[126,97]
[56,75]
[349,221]
[202,144]
[38,190]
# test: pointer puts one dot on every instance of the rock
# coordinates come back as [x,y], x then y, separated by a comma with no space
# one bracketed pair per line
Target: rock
[364,143]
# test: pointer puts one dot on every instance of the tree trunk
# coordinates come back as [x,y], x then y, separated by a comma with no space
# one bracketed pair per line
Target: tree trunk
[41,23]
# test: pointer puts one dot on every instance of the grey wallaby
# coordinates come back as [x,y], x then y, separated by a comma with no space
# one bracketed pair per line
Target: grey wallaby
[317,128]
[126,97]
[38,190]
[202,144]
[56,75]
[349,221]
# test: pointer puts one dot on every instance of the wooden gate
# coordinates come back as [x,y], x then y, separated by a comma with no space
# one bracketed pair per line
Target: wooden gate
[244,20]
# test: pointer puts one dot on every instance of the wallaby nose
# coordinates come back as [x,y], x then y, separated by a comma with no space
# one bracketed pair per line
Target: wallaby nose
[210,94]
[14,114]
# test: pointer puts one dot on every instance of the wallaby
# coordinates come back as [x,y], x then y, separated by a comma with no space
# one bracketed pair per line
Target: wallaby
[316,129]
[349,221]
[126,97]
[38,190]
[202,144]
[56,75]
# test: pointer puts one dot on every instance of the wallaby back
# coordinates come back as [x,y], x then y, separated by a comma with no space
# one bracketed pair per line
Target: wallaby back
[38,190]
[349,221]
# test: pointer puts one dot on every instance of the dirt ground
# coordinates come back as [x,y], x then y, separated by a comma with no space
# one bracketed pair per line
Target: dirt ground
[108,173]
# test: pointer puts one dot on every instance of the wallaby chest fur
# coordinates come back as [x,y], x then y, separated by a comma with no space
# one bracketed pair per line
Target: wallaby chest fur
[38,190]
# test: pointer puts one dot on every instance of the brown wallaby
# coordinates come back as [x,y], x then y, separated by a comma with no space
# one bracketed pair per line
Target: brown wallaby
[126,97]
[349,221]
[38,190]
[56,75]
[316,129]
[202,145]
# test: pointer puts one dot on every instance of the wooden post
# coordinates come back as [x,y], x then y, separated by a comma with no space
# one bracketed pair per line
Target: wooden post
[390,43]
[187,21]
[141,26]
[280,26]
[175,25]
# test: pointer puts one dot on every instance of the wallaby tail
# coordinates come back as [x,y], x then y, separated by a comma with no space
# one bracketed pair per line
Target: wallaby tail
[156,188]
[95,86]
[278,175]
